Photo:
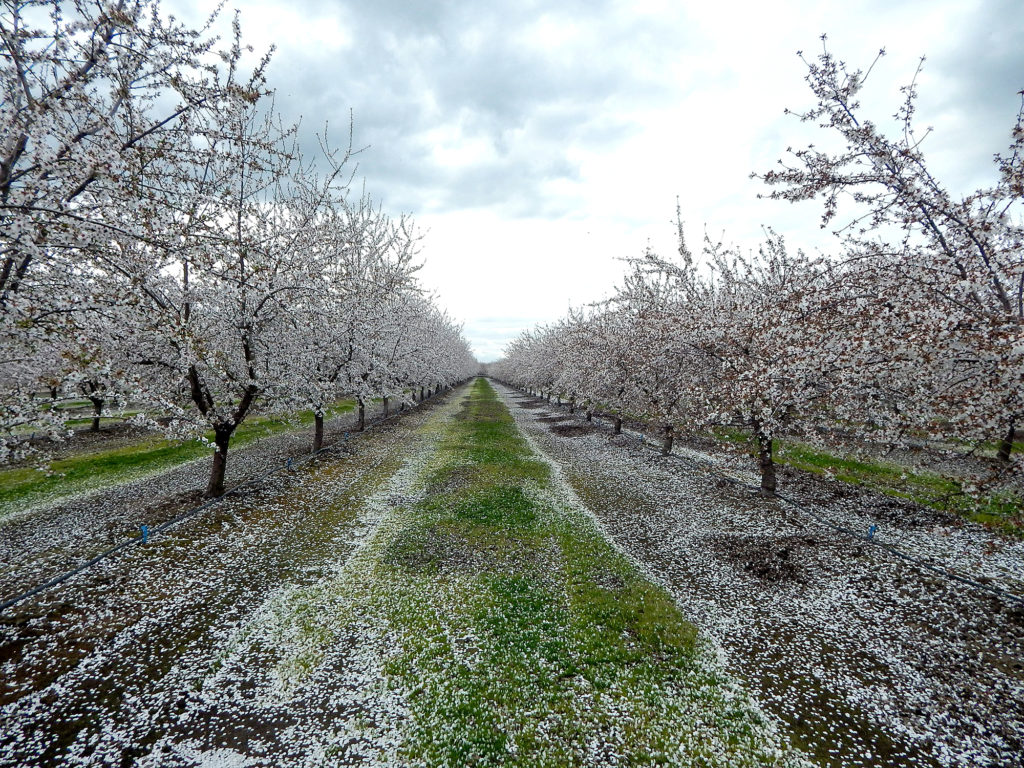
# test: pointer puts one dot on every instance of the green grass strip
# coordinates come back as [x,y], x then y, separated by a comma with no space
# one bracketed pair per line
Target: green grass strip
[1002,511]
[514,632]
[22,487]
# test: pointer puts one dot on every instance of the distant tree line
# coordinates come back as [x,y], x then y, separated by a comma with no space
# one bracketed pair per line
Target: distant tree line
[164,240]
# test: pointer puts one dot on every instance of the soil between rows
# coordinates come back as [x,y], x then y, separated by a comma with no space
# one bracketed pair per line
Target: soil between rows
[432,600]
[42,543]
[867,660]
[97,670]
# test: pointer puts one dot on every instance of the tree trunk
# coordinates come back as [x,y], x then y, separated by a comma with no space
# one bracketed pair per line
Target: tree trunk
[318,431]
[97,408]
[385,407]
[1006,446]
[222,437]
[670,436]
[766,464]
[618,425]
[361,425]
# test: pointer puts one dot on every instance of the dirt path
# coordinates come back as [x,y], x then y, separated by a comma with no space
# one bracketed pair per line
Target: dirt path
[867,660]
[97,670]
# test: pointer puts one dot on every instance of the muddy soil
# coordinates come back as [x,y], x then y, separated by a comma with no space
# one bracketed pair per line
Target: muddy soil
[574,430]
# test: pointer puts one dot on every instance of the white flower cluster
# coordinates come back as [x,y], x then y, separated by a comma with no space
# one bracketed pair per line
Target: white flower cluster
[913,331]
[164,242]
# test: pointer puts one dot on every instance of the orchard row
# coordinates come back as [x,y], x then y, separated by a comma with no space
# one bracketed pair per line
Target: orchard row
[164,241]
[913,331]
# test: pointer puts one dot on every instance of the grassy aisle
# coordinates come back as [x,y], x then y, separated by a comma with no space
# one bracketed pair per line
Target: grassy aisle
[509,632]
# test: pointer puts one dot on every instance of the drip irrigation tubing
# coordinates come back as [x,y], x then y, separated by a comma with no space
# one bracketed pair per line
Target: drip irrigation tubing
[289,465]
[920,562]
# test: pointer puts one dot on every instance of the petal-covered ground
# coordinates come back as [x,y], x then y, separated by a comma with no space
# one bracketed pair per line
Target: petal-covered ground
[439,597]
[97,670]
[41,541]
[867,659]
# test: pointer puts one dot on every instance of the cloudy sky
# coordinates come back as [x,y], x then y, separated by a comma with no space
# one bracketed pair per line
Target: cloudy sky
[536,144]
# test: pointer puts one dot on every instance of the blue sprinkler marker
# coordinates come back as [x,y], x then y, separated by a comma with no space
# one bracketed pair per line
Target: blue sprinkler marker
[871,531]
[145,533]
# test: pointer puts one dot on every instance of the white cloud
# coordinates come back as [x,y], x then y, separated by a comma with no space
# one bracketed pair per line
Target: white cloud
[538,143]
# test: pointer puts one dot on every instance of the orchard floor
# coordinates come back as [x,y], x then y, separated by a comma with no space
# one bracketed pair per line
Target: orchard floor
[868,660]
[96,669]
[43,541]
[434,598]
[339,614]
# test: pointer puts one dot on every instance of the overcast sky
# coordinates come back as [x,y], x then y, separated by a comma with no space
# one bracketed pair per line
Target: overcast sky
[538,143]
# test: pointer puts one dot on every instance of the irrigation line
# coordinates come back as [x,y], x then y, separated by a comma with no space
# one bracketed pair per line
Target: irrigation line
[711,467]
[289,465]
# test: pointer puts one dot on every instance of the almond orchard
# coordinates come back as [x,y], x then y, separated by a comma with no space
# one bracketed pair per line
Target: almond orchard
[913,331]
[756,507]
[166,243]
